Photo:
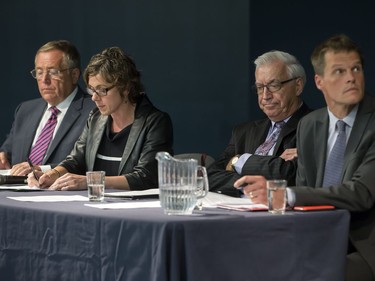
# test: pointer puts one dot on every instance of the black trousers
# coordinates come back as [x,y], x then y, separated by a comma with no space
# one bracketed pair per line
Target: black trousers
[357,269]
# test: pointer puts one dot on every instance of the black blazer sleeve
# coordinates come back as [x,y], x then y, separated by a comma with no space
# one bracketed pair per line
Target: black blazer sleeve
[245,139]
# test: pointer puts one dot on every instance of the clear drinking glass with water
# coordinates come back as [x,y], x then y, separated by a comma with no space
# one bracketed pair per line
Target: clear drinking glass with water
[202,186]
[276,193]
[95,185]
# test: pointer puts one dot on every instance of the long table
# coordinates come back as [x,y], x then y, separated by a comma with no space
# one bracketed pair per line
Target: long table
[70,241]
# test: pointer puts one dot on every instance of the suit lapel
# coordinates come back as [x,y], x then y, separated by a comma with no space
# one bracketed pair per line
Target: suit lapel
[73,113]
[33,120]
[290,126]
[141,112]
[320,145]
[93,145]
[256,138]
[132,140]
[365,111]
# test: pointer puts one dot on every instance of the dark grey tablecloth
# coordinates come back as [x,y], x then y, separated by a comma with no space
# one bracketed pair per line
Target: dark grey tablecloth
[70,241]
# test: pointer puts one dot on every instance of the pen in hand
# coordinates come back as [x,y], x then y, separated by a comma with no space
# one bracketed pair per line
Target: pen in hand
[32,169]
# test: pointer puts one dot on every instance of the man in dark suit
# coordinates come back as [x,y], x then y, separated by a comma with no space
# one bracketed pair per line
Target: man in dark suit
[338,65]
[122,136]
[280,80]
[57,71]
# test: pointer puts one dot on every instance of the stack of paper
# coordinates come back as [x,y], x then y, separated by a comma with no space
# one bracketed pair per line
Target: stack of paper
[217,200]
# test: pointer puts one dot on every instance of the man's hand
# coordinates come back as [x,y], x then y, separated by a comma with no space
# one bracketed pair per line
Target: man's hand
[4,163]
[22,169]
[254,187]
[289,154]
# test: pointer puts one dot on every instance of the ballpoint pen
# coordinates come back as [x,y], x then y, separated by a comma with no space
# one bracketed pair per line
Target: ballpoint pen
[32,168]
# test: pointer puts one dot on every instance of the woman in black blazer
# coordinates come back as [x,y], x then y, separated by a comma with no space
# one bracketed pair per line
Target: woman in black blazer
[122,135]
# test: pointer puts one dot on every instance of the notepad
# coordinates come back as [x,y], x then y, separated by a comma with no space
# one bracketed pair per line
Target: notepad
[313,208]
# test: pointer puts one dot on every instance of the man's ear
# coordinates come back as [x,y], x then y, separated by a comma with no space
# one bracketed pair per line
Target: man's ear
[299,86]
[75,73]
[318,81]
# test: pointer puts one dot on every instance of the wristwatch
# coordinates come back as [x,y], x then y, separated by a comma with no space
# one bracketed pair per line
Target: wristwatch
[234,161]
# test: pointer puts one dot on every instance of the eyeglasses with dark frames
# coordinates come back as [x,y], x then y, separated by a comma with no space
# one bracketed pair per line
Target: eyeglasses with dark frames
[101,92]
[271,87]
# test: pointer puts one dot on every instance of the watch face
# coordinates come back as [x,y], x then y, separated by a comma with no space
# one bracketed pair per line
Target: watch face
[234,160]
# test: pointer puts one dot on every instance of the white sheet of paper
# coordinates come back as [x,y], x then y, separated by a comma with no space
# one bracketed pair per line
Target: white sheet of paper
[127,205]
[18,187]
[5,172]
[138,193]
[213,199]
[243,208]
[216,200]
[51,198]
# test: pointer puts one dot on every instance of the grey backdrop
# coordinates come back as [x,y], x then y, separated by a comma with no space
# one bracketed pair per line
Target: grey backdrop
[195,55]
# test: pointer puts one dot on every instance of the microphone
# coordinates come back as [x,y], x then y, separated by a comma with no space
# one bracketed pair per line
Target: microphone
[13,179]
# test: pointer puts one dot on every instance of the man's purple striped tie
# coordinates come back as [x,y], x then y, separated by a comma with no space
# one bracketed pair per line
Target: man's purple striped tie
[265,147]
[40,147]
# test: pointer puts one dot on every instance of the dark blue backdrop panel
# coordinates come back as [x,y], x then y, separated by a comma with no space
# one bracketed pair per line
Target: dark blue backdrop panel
[297,27]
[193,54]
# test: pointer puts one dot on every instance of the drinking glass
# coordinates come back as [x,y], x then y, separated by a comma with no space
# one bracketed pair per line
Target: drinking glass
[95,185]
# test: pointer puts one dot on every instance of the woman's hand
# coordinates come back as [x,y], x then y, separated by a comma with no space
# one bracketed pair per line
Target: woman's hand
[44,179]
[69,182]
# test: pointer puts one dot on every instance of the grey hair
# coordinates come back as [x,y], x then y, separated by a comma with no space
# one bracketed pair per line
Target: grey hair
[71,56]
[293,66]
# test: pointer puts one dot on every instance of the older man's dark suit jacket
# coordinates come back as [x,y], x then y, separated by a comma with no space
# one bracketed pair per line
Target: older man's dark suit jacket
[26,120]
[357,191]
[245,139]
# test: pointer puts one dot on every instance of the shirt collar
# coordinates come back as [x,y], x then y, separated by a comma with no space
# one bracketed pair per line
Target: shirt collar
[285,121]
[349,119]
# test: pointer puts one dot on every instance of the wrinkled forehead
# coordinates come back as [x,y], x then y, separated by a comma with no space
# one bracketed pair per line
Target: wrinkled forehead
[51,57]
[269,72]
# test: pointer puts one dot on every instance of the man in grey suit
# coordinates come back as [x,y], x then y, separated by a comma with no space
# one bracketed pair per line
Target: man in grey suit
[338,65]
[280,80]
[57,71]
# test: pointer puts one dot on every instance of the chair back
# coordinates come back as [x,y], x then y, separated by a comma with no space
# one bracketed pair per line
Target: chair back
[202,158]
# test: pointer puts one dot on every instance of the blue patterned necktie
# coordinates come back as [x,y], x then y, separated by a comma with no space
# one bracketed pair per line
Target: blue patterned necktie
[41,145]
[265,147]
[335,161]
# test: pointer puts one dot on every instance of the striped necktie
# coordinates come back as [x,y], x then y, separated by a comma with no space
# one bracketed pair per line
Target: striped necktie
[335,161]
[265,147]
[40,147]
